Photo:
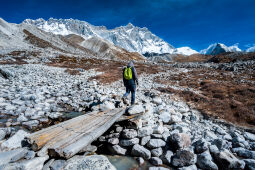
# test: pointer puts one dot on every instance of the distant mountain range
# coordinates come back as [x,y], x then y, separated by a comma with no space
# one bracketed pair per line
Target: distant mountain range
[27,37]
[79,36]
[129,37]
[218,48]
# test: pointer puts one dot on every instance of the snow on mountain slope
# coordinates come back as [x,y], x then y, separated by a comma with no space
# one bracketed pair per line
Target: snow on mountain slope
[185,51]
[106,49]
[11,36]
[234,48]
[251,49]
[129,37]
[218,48]
[18,37]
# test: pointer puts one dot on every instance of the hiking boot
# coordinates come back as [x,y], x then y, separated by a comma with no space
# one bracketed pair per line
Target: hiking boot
[125,100]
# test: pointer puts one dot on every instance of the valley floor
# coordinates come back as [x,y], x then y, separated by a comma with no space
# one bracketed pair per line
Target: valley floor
[186,115]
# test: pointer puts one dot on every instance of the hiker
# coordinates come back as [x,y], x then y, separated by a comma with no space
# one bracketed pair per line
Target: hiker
[130,80]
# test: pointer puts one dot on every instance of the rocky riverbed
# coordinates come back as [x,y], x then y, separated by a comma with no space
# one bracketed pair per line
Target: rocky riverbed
[160,128]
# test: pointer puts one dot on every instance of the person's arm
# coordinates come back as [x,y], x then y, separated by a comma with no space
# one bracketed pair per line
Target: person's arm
[124,81]
[135,75]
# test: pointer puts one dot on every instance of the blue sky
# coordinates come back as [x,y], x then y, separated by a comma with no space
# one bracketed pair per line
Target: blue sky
[194,23]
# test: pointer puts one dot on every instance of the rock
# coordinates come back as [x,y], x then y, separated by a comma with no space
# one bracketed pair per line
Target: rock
[8,124]
[89,148]
[37,162]
[31,124]
[252,146]
[136,109]
[165,135]
[155,143]
[113,141]
[102,139]
[179,141]
[2,134]
[48,164]
[106,106]
[183,158]
[175,118]
[15,141]
[144,140]
[220,131]
[140,151]
[30,112]
[157,100]
[113,135]
[156,161]
[30,155]
[158,129]
[129,133]
[118,129]
[12,156]
[158,168]
[129,142]
[191,167]
[166,157]
[58,164]
[157,152]
[249,164]
[145,131]
[140,160]
[156,136]
[165,117]
[98,162]
[239,141]
[245,153]
[22,118]
[201,146]
[204,161]
[116,149]
[6,73]
[210,136]
[227,137]
[249,136]
[221,144]
[226,160]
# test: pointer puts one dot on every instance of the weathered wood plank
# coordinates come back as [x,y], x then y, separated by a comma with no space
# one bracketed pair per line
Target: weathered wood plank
[69,137]
[74,145]
[40,138]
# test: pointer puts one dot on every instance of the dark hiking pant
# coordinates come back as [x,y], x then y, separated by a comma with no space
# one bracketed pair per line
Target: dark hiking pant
[130,88]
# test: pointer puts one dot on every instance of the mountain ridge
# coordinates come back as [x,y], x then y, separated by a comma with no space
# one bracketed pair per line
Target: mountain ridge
[129,37]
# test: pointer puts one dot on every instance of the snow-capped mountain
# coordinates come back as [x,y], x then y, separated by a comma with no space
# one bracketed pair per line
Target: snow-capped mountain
[27,37]
[218,48]
[129,37]
[185,51]
[251,49]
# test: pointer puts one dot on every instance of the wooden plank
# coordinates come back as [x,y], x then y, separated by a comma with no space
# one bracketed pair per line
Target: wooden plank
[68,138]
[40,138]
[74,145]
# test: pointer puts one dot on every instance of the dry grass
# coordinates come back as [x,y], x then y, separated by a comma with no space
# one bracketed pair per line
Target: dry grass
[191,58]
[111,70]
[19,57]
[73,71]
[39,42]
[232,57]
[221,94]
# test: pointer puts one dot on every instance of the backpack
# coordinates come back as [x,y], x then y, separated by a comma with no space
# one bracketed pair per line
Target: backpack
[128,73]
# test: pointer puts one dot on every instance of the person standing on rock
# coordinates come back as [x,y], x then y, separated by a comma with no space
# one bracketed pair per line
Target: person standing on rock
[130,81]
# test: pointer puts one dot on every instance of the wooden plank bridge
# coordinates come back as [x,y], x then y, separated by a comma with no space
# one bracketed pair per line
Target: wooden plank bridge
[68,138]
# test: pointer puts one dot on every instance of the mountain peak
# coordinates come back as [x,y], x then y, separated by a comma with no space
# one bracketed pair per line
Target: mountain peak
[129,37]
[130,24]
[218,48]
